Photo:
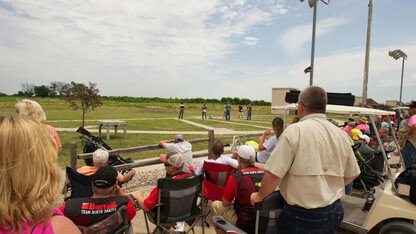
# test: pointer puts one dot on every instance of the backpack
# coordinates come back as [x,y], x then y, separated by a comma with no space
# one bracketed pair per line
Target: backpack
[408,177]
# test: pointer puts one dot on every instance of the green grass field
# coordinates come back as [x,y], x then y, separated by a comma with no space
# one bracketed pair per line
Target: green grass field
[139,116]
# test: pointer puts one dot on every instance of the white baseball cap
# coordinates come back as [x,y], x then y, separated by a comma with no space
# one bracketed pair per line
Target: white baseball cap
[246,152]
[365,137]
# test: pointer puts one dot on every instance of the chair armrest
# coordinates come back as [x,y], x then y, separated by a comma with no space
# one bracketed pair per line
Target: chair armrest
[222,224]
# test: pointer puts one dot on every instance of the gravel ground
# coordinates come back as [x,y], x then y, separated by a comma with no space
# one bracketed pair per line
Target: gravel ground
[144,180]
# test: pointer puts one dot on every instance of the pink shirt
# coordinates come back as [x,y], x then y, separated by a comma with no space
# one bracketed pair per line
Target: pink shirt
[55,135]
[363,127]
[39,228]
[347,130]
[412,121]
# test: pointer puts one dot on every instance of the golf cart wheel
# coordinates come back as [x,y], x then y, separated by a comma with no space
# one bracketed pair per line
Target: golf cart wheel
[367,194]
[398,227]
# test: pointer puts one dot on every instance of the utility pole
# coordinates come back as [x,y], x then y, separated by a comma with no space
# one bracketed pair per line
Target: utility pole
[367,52]
[313,43]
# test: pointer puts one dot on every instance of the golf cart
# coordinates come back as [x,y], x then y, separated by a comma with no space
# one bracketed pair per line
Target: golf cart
[389,211]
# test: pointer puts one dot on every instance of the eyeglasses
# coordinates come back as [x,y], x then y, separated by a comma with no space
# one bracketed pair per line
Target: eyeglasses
[167,164]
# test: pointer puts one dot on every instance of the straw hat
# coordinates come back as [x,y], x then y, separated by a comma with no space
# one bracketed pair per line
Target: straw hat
[364,120]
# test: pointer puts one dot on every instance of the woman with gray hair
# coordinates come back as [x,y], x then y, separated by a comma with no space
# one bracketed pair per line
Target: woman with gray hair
[30,109]
[100,159]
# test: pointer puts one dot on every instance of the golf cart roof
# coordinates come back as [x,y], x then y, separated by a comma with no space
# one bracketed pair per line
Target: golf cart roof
[400,107]
[338,109]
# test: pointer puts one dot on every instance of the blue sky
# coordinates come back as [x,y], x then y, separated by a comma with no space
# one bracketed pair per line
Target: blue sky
[206,48]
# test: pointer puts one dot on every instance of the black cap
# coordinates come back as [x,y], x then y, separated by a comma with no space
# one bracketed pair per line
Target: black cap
[105,177]
[412,104]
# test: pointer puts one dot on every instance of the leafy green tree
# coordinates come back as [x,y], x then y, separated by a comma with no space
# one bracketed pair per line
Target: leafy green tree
[82,97]
[42,91]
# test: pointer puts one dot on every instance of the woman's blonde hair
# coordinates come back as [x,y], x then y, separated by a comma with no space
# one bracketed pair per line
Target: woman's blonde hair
[31,109]
[29,173]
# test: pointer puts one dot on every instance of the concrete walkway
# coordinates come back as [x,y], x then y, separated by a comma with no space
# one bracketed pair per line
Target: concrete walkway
[219,131]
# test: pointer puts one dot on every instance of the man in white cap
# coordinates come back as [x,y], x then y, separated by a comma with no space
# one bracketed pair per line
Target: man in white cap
[238,189]
[363,139]
[179,145]
[365,151]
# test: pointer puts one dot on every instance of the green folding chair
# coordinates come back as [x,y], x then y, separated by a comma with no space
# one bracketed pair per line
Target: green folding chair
[178,201]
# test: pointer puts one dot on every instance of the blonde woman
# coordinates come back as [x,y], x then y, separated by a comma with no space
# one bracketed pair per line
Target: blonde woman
[31,109]
[29,179]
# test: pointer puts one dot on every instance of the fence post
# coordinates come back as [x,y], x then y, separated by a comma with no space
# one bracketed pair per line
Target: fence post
[73,155]
[210,142]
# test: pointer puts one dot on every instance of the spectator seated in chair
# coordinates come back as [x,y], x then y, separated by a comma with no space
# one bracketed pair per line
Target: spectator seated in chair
[100,159]
[217,171]
[217,149]
[104,202]
[174,169]
[179,145]
[239,188]
[266,147]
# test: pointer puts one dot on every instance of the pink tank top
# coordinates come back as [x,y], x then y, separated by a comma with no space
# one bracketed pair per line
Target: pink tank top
[38,229]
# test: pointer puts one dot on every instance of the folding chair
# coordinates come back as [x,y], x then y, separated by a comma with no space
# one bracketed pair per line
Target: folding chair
[80,184]
[267,213]
[178,201]
[115,223]
[216,176]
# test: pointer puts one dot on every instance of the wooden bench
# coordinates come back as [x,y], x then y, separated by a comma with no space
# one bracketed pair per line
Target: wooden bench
[109,123]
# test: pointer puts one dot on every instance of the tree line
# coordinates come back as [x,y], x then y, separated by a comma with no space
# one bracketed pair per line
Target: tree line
[60,89]
[232,101]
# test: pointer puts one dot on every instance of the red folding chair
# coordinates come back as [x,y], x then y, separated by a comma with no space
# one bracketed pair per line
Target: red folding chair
[216,176]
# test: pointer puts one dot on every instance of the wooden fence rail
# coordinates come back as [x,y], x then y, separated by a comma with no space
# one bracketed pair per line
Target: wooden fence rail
[74,156]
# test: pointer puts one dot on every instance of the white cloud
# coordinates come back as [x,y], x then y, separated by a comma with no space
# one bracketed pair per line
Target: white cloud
[279,9]
[145,40]
[173,49]
[295,38]
[250,41]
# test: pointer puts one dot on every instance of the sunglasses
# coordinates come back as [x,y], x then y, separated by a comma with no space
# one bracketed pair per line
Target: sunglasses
[17,111]
[167,164]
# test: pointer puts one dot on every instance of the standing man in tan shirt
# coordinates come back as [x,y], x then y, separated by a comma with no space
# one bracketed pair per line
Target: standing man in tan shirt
[313,161]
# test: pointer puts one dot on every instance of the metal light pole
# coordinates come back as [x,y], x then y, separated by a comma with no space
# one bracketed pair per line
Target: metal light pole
[313,3]
[396,54]
[367,53]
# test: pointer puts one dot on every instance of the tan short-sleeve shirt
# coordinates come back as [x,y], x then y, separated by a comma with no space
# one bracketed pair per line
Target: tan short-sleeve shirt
[312,157]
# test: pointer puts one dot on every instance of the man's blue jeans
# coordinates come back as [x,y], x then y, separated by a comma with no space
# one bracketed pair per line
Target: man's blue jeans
[227,115]
[409,154]
[295,219]
[180,114]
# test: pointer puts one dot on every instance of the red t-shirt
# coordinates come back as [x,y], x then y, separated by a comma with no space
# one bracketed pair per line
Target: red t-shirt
[81,210]
[151,200]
